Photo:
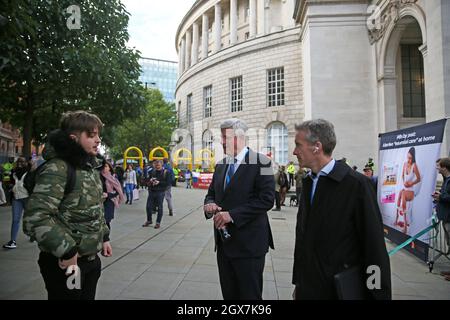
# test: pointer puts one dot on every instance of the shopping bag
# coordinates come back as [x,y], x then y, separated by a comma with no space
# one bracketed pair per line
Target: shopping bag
[135,194]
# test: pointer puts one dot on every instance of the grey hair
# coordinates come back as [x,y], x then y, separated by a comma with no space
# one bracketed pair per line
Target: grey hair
[239,126]
[319,130]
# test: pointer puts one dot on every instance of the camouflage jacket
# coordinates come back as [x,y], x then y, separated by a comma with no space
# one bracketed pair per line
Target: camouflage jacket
[66,224]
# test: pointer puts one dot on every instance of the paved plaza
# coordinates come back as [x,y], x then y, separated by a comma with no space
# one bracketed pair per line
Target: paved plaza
[177,261]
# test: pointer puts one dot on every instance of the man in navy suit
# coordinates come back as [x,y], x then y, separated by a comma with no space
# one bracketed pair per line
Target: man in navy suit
[241,192]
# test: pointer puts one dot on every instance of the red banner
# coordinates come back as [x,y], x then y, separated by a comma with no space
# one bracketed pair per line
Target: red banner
[204,180]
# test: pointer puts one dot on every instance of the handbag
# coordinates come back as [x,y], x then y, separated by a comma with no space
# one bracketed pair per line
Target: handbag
[135,194]
[351,285]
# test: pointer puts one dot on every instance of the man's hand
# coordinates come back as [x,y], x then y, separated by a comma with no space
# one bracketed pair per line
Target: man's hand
[436,195]
[105,195]
[64,264]
[107,249]
[221,219]
[211,208]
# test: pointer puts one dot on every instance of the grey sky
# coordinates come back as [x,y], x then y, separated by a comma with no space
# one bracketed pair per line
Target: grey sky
[153,24]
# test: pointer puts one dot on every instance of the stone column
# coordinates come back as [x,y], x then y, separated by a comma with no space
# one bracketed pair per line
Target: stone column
[233,21]
[389,83]
[218,27]
[266,16]
[195,39]
[180,70]
[253,20]
[205,36]
[183,55]
[187,55]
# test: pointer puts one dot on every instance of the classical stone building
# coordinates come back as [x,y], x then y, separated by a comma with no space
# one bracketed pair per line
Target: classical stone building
[11,142]
[367,66]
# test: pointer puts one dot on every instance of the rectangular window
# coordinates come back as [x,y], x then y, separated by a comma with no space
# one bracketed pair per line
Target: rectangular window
[189,108]
[413,82]
[236,94]
[275,87]
[207,101]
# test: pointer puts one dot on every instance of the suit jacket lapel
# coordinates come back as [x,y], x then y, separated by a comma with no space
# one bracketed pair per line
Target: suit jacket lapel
[221,171]
[307,187]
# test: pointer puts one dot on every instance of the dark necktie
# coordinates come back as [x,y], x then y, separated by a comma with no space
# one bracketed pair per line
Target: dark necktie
[230,173]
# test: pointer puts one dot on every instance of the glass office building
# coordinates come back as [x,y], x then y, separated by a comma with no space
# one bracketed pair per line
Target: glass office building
[160,74]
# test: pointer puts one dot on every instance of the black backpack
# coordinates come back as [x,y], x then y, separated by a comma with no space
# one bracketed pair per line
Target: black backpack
[30,179]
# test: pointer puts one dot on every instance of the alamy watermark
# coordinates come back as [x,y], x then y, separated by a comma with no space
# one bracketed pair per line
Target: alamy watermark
[374,280]
[74,277]
[74,21]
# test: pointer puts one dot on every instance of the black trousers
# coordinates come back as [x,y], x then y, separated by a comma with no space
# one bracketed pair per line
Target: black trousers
[56,280]
[155,199]
[240,279]
[291,179]
[277,200]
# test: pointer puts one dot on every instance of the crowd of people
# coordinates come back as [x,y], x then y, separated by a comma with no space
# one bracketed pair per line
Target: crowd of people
[69,201]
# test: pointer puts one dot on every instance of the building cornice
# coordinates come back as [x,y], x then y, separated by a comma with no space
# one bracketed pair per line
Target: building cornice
[249,46]
[302,5]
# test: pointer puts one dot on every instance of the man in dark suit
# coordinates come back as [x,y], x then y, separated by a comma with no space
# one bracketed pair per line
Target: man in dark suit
[241,192]
[339,225]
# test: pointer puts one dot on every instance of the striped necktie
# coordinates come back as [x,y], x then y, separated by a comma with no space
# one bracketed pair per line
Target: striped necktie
[230,173]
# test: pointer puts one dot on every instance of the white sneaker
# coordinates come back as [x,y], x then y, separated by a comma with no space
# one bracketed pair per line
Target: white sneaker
[10,245]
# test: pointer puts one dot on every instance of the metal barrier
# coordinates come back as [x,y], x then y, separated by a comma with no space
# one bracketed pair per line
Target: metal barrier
[438,246]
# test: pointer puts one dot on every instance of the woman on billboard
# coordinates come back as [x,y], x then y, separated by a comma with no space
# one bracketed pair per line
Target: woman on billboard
[410,178]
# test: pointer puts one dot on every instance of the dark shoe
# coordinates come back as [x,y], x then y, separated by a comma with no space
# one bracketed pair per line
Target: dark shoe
[276,209]
[127,202]
[283,205]
[157,226]
[170,213]
[10,245]
[147,223]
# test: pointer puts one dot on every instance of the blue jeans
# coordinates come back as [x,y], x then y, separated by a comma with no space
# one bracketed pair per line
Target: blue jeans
[129,191]
[17,210]
[158,198]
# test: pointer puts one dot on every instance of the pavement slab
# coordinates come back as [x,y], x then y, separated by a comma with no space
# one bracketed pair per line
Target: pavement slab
[178,260]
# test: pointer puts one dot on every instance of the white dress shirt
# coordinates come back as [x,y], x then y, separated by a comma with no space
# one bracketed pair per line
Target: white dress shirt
[323,172]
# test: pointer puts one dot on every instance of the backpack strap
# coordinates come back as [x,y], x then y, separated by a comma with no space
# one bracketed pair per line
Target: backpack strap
[71,179]
[71,176]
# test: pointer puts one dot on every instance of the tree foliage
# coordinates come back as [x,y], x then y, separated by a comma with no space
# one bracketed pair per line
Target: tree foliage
[47,68]
[151,129]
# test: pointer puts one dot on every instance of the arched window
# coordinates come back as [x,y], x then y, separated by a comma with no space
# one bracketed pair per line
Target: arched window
[207,140]
[277,141]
